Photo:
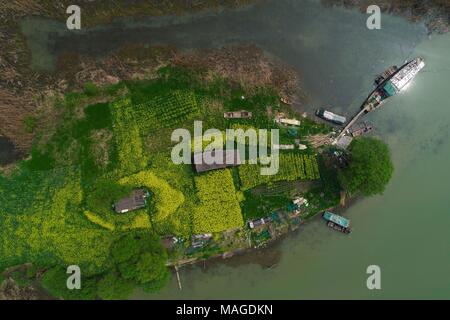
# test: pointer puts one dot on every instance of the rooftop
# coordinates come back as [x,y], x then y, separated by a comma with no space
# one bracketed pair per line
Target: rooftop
[237,114]
[206,161]
[136,201]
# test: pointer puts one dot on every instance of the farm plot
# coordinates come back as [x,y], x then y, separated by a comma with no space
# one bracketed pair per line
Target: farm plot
[292,167]
[166,111]
[219,208]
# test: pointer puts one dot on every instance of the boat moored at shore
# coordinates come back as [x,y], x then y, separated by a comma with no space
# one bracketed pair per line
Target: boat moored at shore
[337,222]
[392,82]
[330,116]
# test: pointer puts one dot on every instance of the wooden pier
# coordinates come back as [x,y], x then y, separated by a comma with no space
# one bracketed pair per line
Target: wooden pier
[178,278]
[373,101]
[367,108]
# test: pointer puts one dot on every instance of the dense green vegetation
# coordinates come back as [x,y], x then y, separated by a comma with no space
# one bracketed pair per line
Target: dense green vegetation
[293,166]
[370,167]
[137,259]
[258,205]
[41,221]
[56,208]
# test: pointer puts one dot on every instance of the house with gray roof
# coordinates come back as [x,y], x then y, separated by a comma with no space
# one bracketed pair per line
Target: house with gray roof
[137,200]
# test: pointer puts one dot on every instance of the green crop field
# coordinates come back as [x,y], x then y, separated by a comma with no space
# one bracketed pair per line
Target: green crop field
[292,166]
[219,208]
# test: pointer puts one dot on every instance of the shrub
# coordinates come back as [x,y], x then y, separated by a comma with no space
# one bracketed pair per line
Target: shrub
[30,124]
[90,89]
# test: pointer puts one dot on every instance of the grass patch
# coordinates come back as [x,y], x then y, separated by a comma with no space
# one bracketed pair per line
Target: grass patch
[260,205]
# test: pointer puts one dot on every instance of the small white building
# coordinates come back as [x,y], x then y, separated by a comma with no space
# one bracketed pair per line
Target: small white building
[283,146]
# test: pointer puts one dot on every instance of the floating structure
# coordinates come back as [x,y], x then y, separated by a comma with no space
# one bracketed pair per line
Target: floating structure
[393,83]
[361,129]
[216,159]
[385,75]
[242,114]
[137,200]
[330,116]
[178,278]
[337,227]
[337,222]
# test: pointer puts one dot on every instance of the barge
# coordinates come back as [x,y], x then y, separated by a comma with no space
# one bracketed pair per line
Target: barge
[330,116]
[389,84]
[361,129]
[392,82]
[337,222]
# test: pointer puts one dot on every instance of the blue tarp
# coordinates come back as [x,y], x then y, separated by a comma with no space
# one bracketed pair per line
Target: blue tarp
[343,222]
[389,88]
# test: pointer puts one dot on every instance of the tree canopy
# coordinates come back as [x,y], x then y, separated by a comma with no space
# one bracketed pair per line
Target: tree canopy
[140,258]
[114,287]
[370,167]
[55,282]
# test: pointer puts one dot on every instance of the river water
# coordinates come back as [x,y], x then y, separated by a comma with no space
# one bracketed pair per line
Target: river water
[405,231]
